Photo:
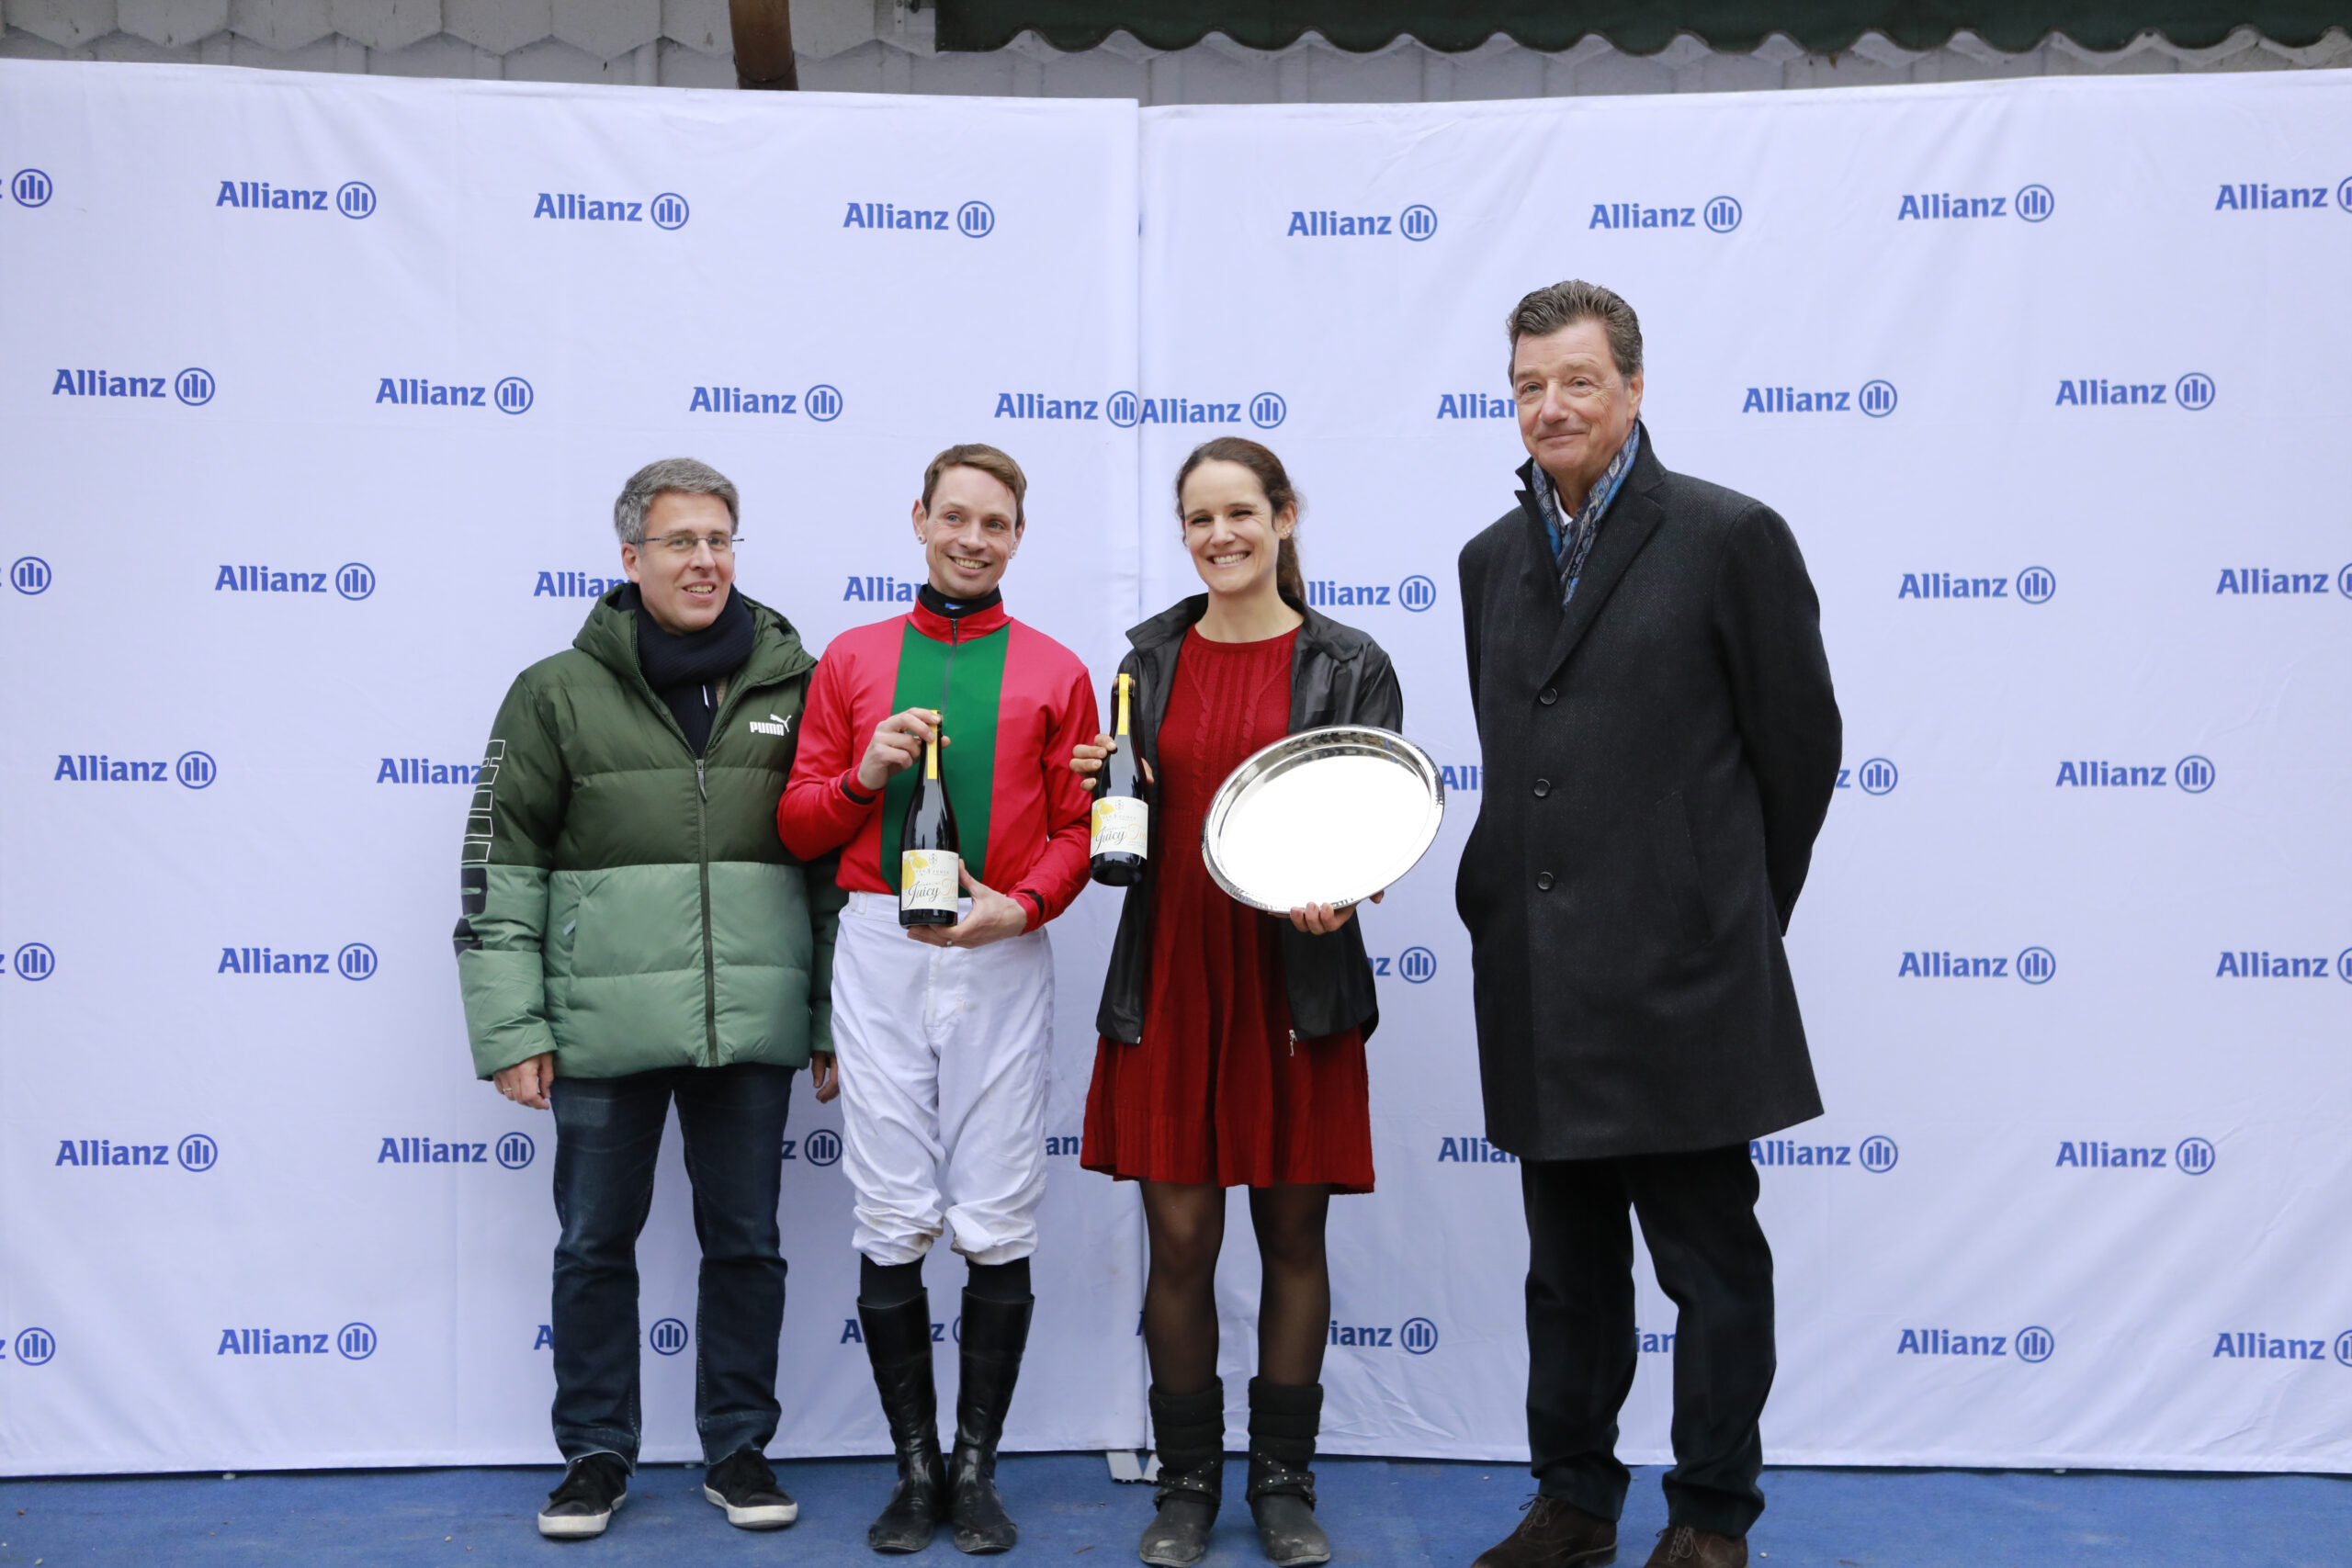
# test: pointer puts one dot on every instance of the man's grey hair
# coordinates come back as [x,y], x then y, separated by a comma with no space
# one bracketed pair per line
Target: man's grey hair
[681,474]
[1549,310]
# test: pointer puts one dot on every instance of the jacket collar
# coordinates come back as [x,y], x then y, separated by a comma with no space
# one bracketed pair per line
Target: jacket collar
[1319,632]
[942,620]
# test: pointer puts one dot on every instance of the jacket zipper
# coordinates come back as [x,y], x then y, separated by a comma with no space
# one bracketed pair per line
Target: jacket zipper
[709,960]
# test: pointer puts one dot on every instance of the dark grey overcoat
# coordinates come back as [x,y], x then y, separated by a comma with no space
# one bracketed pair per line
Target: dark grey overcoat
[1658,756]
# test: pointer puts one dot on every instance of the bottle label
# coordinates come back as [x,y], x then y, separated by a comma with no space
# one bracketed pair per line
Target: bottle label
[927,880]
[1121,826]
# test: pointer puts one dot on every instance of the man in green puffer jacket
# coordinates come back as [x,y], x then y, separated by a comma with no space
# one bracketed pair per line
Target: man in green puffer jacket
[635,933]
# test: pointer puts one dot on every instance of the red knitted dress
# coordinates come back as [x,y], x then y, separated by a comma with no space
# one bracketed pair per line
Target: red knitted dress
[1217,1090]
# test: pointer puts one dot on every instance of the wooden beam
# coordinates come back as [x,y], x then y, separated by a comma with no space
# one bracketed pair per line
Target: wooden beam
[763,31]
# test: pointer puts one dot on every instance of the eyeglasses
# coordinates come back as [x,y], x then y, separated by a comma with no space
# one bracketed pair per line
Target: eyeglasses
[683,544]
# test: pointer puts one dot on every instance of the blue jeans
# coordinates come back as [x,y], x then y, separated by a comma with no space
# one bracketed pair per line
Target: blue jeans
[607,1133]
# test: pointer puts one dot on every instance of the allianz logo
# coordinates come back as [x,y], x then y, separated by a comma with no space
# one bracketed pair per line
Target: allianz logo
[2035,1345]
[2263,966]
[1462,776]
[974,219]
[1474,405]
[821,1147]
[1415,1335]
[1126,410]
[1417,223]
[2035,967]
[948,1332]
[668,1337]
[352,1342]
[353,199]
[1875,398]
[195,1152]
[2195,391]
[2262,580]
[821,403]
[2259,196]
[2256,1345]
[1473,1151]
[573,585]
[880,591]
[1415,965]
[353,580]
[1064,1145]
[515,1151]
[34,1347]
[193,386]
[36,960]
[424,770]
[1876,1154]
[2190,1157]
[1416,594]
[1720,214]
[193,770]
[667,210]
[2034,585]
[32,188]
[1654,1344]
[1877,776]
[354,960]
[2032,203]
[510,395]
[2192,775]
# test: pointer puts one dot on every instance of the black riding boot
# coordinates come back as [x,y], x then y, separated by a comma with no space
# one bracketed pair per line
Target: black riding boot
[994,1335]
[1284,1419]
[898,1341]
[1189,1429]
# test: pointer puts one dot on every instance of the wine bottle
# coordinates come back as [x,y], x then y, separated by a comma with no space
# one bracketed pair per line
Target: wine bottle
[1121,815]
[928,855]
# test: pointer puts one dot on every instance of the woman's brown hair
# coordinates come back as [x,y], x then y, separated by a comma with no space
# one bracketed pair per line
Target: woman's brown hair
[1275,481]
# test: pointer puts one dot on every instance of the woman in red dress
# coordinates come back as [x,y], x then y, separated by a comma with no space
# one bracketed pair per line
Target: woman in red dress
[1232,1042]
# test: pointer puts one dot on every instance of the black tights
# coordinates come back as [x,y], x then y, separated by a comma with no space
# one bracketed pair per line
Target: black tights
[1187,1227]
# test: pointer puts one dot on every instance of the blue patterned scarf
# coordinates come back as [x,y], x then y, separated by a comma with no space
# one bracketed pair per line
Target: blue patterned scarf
[1573,543]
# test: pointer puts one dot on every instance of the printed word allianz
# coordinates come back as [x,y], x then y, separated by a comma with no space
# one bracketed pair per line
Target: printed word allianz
[425,1151]
[1946,1342]
[1938,204]
[1474,405]
[2269,1348]
[2260,197]
[1788,399]
[415,392]
[2094,392]
[268,961]
[2262,580]
[2271,967]
[2111,1156]
[100,384]
[268,1342]
[570,205]
[1319,223]
[84,768]
[1633,215]
[574,585]
[261,193]
[890,214]
[424,770]
[1473,1151]
[1788,1151]
[261,580]
[1037,405]
[104,1151]
[1938,966]
[2109,775]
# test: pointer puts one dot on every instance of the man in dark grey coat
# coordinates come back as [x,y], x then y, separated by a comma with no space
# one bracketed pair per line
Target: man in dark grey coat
[1660,742]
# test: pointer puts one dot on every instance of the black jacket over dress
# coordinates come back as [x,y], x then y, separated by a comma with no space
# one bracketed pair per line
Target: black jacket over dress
[1337,676]
[1659,754]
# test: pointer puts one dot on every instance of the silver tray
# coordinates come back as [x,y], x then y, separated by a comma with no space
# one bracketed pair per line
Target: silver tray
[1328,816]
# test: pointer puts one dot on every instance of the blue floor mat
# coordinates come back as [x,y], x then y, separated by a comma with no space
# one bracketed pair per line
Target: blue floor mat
[1379,1512]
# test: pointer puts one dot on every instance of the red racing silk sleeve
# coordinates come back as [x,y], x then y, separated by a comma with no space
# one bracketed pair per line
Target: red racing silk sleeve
[821,809]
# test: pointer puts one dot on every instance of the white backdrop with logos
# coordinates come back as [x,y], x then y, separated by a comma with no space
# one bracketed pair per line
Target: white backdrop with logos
[2043,375]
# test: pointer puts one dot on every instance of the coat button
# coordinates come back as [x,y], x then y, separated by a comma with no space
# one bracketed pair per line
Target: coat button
[1543,788]
[1542,881]
[1548,695]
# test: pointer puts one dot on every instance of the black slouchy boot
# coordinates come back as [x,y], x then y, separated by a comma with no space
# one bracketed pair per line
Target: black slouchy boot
[1190,1431]
[995,1333]
[1283,1420]
[898,1341]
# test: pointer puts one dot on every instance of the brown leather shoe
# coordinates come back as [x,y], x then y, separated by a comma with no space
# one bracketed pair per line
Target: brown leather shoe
[1685,1546]
[1554,1535]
